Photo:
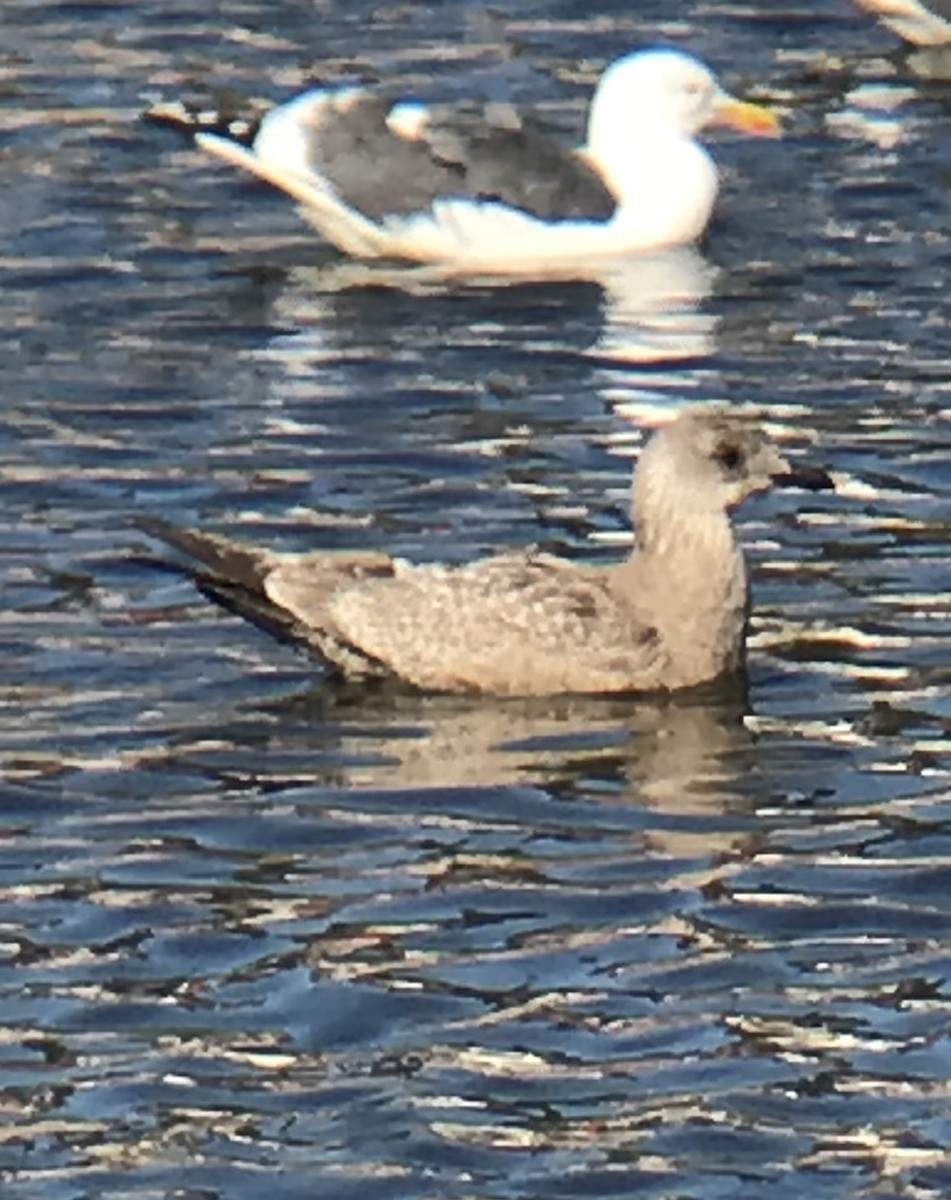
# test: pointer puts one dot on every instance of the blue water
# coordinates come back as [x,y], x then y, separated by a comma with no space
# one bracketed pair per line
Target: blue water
[262,934]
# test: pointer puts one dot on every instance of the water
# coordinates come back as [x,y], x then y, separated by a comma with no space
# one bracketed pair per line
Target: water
[259,933]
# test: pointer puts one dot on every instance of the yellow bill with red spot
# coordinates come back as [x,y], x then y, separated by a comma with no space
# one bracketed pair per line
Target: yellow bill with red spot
[755,119]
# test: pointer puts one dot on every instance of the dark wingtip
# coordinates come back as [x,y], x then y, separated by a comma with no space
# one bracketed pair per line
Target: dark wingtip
[156,527]
[812,479]
[190,119]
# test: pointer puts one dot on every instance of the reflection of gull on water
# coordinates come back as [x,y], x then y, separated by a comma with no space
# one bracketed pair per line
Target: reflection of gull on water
[651,304]
[682,757]
[662,748]
[652,308]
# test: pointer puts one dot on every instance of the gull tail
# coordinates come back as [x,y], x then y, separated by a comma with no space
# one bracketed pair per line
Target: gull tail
[320,206]
[230,575]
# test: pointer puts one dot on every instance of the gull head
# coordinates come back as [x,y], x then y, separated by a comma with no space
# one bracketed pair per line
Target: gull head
[708,461]
[670,93]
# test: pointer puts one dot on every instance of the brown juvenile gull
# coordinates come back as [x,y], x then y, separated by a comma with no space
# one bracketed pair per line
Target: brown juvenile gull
[914,21]
[671,616]
[487,191]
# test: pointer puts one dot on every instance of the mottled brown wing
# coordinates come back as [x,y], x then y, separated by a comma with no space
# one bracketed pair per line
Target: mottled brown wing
[511,624]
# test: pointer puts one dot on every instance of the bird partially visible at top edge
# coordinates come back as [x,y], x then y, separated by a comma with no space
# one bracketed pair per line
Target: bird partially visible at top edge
[914,21]
[490,191]
[672,615]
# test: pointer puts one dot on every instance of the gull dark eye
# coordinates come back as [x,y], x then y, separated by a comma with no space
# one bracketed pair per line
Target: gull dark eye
[729,456]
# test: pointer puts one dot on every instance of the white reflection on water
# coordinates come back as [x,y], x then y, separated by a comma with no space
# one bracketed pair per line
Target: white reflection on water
[653,308]
[650,308]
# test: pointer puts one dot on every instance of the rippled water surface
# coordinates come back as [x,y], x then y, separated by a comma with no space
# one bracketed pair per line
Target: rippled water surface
[263,936]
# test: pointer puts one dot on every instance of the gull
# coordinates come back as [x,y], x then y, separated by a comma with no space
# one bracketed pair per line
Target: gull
[488,191]
[672,615]
[914,21]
